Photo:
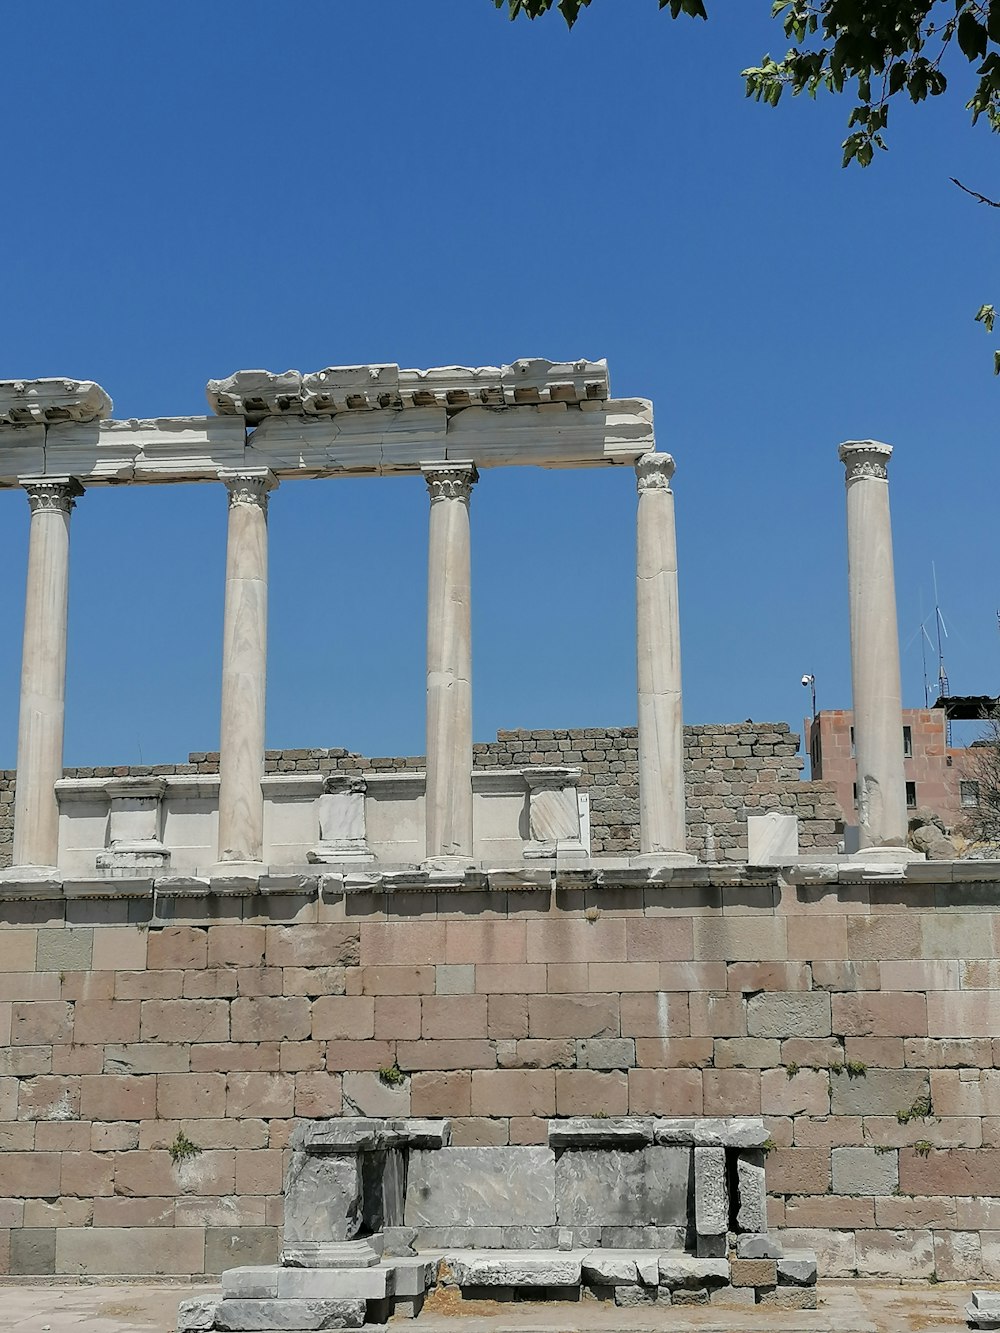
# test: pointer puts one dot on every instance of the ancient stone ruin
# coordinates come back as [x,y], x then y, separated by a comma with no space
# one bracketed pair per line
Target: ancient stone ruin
[285,1018]
[638,1211]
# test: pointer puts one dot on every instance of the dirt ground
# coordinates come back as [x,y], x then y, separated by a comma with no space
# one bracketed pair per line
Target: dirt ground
[47,1306]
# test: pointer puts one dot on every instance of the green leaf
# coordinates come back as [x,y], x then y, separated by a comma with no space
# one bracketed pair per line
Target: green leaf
[996,363]
[972,36]
[986,316]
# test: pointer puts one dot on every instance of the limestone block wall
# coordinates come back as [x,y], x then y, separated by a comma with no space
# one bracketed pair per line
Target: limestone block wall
[731,770]
[152,1065]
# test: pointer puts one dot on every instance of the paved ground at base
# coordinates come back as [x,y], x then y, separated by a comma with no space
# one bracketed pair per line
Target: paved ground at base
[845,1307]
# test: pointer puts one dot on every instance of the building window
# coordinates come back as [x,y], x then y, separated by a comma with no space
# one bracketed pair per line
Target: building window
[907,743]
[852,745]
[911,795]
[968,793]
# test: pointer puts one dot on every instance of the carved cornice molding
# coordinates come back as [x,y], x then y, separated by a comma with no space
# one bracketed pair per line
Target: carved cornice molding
[249,488]
[49,401]
[259,394]
[52,494]
[653,472]
[450,481]
[865,459]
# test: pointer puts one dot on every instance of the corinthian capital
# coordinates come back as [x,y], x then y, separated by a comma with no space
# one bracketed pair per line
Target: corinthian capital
[52,494]
[653,472]
[249,488]
[865,458]
[450,481]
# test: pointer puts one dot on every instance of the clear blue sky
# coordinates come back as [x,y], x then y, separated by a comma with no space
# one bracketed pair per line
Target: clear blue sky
[196,188]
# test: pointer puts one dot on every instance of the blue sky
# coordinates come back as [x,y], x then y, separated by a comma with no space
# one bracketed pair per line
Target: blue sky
[194,189]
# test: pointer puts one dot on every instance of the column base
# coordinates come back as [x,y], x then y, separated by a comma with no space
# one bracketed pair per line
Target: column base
[332,1254]
[31,881]
[889,856]
[455,865]
[235,870]
[658,860]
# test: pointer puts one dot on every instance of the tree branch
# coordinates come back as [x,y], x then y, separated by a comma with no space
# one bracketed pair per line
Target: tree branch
[980,198]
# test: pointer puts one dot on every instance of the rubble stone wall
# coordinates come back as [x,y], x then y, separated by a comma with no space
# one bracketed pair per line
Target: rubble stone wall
[731,771]
[151,1067]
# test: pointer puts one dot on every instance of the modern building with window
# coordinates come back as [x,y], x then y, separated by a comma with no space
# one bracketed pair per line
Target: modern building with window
[933,769]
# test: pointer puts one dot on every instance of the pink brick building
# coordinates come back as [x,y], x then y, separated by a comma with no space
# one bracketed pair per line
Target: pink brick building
[933,770]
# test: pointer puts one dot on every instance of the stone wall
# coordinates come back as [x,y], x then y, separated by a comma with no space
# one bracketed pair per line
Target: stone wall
[858,1017]
[731,771]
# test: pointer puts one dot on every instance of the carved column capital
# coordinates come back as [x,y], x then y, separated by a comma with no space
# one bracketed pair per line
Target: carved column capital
[52,494]
[653,472]
[450,481]
[865,458]
[250,487]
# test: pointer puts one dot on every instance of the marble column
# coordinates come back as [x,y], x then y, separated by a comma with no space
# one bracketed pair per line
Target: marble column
[662,831]
[244,671]
[449,665]
[877,702]
[43,675]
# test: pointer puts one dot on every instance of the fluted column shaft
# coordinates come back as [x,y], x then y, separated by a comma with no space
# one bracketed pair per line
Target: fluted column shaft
[244,669]
[877,703]
[449,663]
[43,673]
[662,830]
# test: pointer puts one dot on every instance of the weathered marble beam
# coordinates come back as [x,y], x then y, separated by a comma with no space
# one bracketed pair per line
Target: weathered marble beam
[373,443]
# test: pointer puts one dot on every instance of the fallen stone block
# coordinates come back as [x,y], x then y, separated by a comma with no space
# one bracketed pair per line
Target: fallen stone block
[353,1284]
[686,1270]
[609,1268]
[197,1315]
[413,1276]
[246,1316]
[511,1268]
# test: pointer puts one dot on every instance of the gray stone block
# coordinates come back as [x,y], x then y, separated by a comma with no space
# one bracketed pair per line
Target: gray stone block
[414,1276]
[594,1131]
[629,1296]
[878,1092]
[797,1269]
[253,1282]
[864,1171]
[196,1316]
[615,1187]
[226,1247]
[336,1284]
[530,1238]
[513,1186]
[459,1238]
[695,1296]
[640,1238]
[688,1271]
[245,1316]
[323,1197]
[398,1240]
[752,1211]
[710,1247]
[610,1268]
[757,1247]
[789,1014]
[33,1250]
[711,1192]
[605,1053]
[65,950]
[513,1268]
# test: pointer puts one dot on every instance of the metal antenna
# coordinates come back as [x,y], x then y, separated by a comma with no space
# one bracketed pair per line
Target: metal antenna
[943,687]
